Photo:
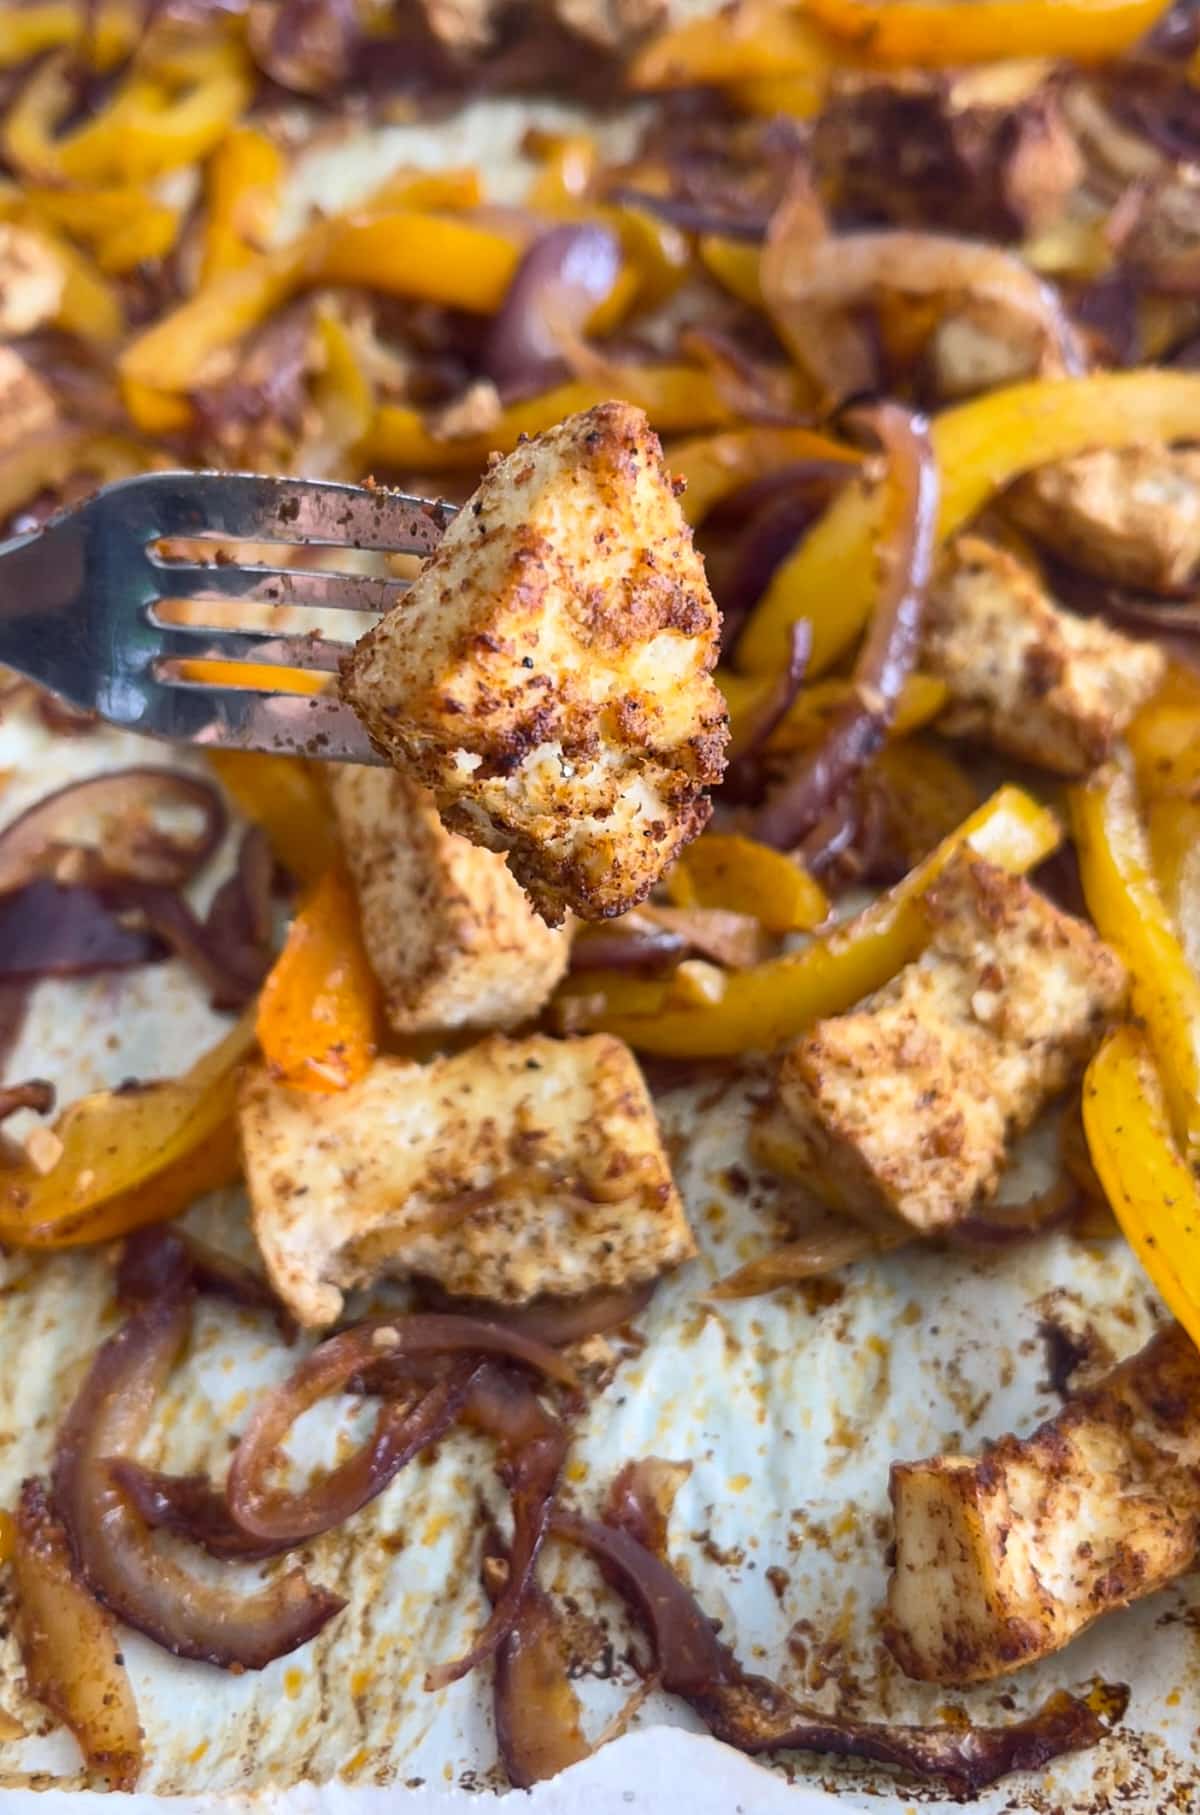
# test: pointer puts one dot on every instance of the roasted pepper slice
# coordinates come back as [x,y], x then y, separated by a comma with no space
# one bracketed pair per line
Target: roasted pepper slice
[107,33]
[131,1156]
[930,33]
[716,465]
[735,265]
[755,38]
[771,1002]
[286,797]
[922,698]
[318,1011]
[676,398]
[244,188]
[1114,861]
[746,877]
[981,446]
[1153,1193]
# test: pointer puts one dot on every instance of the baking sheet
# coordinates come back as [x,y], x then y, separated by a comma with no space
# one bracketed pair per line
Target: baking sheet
[790,1409]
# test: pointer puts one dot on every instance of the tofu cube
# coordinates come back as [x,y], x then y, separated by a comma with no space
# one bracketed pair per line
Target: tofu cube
[1128,514]
[1024,675]
[1003,1558]
[449,932]
[903,1108]
[547,677]
[31,281]
[516,1168]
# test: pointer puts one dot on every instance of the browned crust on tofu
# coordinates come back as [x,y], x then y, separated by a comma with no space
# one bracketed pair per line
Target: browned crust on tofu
[904,1108]
[1003,1559]
[1031,679]
[511,1170]
[1129,514]
[450,934]
[548,676]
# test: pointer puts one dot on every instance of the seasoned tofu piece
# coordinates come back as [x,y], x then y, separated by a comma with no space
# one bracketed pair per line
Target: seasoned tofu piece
[449,932]
[1024,675]
[31,281]
[904,1108]
[1003,1558]
[1128,514]
[26,402]
[547,677]
[517,1168]
[981,344]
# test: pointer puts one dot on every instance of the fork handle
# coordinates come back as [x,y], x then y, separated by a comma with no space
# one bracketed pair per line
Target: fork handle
[43,627]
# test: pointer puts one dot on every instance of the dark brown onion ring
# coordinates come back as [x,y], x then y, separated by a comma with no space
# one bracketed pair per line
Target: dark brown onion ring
[232,975]
[558,283]
[1006,1224]
[614,946]
[47,930]
[114,1550]
[743,779]
[757,1715]
[190,1506]
[267,1512]
[890,647]
[641,1499]
[35,1093]
[555,1321]
[58,819]
[533,1446]
[539,1728]
[778,516]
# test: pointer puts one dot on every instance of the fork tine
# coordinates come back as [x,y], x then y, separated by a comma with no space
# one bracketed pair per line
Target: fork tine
[279,585]
[191,643]
[252,507]
[280,724]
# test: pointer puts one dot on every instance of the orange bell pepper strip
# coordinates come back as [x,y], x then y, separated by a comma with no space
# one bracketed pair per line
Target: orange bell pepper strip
[933,34]
[981,446]
[716,465]
[243,190]
[766,1003]
[318,1012]
[287,798]
[1124,902]
[675,398]
[739,43]
[745,877]
[131,1157]
[1152,1191]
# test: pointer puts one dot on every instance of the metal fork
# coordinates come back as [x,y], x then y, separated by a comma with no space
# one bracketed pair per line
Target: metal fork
[85,604]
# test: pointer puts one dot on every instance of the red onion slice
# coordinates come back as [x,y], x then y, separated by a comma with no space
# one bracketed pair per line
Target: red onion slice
[190,1506]
[889,651]
[557,285]
[538,1717]
[114,814]
[555,1321]
[50,931]
[113,1548]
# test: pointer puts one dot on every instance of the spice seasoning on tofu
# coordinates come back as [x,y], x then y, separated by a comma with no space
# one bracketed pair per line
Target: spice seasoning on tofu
[548,676]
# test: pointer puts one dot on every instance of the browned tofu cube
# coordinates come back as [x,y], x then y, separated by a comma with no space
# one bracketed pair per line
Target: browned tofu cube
[1023,674]
[449,932]
[1128,514]
[31,281]
[514,1169]
[27,405]
[547,677]
[1002,1558]
[904,1107]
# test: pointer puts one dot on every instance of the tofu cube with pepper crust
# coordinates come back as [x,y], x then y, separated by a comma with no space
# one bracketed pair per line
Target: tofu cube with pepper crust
[547,677]
[449,932]
[516,1168]
[1003,1558]
[1024,675]
[904,1107]
[1129,514]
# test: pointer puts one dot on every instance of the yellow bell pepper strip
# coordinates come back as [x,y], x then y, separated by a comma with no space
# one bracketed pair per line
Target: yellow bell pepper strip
[1173,830]
[716,465]
[144,130]
[934,34]
[1118,885]
[171,355]
[131,1157]
[32,29]
[745,877]
[287,798]
[981,446]
[155,412]
[439,258]
[343,398]
[89,307]
[734,264]
[318,1013]
[567,164]
[1152,1191]
[738,43]
[243,190]
[676,398]
[798,95]
[122,226]
[774,1001]
[1164,739]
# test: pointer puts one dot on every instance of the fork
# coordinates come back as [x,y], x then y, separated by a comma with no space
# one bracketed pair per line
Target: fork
[86,605]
